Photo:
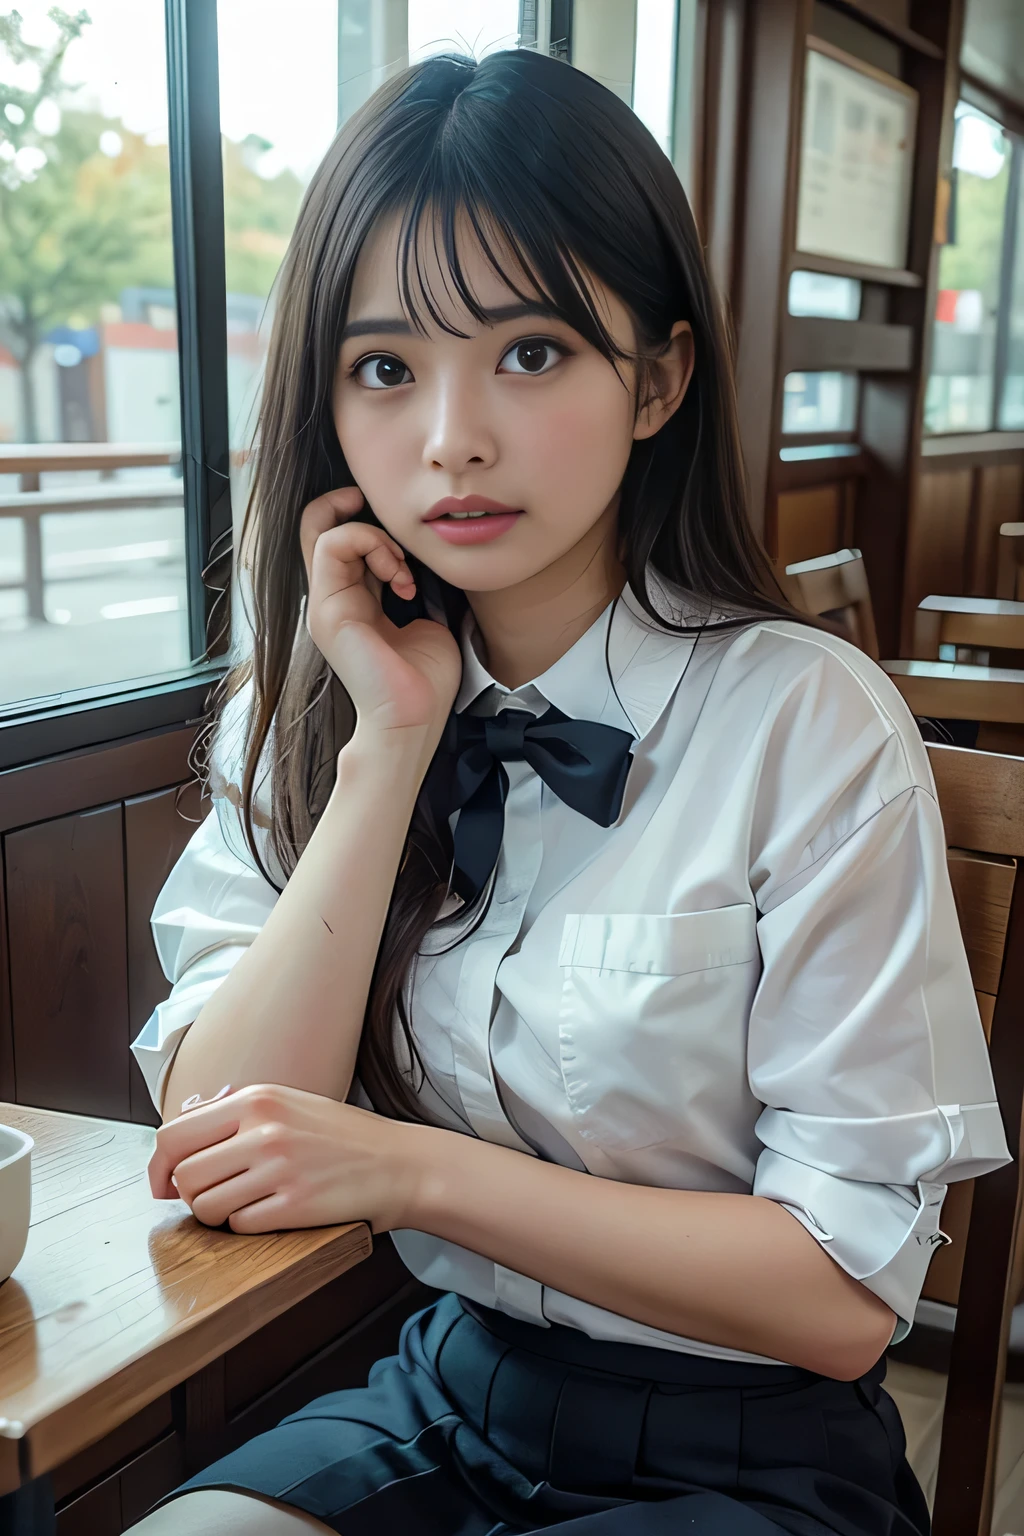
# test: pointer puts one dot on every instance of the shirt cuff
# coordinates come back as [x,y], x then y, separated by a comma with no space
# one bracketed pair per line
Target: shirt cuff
[883,1235]
[155,1046]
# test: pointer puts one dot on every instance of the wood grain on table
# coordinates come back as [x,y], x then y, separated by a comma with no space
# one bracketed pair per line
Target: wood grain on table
[120,1296]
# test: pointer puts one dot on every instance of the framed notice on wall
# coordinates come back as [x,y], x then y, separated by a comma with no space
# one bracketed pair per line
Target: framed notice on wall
[856,160]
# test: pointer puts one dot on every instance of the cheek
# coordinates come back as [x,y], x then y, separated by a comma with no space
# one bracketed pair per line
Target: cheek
[581,446]
[359,433]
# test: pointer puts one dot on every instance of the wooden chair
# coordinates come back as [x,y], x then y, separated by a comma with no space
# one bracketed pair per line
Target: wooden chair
[977,623]
[950,690]
[1010,562]
[836,587]
[981,796]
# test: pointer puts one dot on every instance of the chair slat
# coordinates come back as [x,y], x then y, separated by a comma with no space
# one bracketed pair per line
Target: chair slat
[981,797]
[982,887]
[836,586]
[948,690]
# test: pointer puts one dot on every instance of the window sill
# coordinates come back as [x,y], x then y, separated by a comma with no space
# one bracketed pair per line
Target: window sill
[940,445]
[34,729]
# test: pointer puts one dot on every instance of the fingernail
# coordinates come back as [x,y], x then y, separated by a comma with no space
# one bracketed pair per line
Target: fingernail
[195,1099]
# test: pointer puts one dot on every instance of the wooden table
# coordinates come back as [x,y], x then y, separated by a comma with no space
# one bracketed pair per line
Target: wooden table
[120,1297]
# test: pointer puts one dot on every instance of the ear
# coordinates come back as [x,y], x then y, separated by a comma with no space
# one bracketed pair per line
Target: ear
[671,372]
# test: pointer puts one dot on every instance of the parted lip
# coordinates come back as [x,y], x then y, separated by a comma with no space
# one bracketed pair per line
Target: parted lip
[466,504]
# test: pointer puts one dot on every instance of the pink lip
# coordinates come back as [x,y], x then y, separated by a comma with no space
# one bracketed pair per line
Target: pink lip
[474,530]
[466,504]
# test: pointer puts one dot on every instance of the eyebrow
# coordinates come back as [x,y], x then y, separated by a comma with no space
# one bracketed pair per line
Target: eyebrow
[401,326]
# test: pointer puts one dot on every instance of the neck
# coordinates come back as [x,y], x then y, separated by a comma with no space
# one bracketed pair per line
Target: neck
[527,627]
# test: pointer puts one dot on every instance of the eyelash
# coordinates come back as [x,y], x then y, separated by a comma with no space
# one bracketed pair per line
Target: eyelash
[375,357]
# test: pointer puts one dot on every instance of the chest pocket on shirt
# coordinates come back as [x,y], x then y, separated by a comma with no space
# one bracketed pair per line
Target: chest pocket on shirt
[654,1010]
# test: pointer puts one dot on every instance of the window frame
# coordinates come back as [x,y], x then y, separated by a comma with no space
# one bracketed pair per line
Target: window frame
[31,729]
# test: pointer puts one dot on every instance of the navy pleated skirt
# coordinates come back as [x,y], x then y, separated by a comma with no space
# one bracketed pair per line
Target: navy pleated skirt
[485,1426]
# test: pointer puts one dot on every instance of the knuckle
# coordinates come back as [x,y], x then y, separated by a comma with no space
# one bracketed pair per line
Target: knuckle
[262,1098]
[274,1137]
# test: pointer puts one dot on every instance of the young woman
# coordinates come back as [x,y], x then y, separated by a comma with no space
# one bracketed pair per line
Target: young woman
[570,909]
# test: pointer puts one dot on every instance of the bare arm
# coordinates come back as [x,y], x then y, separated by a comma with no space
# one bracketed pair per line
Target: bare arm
[735,1270]
[291,1010]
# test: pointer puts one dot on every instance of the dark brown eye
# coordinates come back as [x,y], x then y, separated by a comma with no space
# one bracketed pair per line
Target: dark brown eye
[532,356]
[381,372]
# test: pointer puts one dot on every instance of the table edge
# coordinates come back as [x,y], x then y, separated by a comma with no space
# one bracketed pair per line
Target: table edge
[56,1435]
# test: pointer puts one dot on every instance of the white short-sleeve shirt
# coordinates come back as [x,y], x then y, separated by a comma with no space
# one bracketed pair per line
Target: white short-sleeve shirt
[753,982]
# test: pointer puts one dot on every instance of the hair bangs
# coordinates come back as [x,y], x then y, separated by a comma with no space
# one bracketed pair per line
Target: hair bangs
[517,236]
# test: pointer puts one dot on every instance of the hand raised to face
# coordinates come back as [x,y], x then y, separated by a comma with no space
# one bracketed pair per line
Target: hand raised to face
[397,677]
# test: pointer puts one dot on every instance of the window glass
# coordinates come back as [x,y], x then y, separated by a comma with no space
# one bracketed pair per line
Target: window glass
[654,68]
[819,402]
[818,293]
[92,551]
[463,26]
[1011,410]
[959,393]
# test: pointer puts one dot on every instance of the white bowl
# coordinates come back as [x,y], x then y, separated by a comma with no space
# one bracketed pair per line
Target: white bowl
[15,1196]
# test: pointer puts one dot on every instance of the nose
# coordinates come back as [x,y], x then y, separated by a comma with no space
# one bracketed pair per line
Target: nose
[459,435]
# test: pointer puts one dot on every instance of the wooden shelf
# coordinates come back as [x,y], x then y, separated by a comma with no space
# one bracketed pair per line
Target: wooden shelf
[812,342]
[863,10]
[833,266]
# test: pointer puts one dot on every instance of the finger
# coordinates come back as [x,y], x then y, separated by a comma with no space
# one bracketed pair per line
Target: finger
[341,556]
[326,512]
[222,1161]
[390,568]
[189,1133]
[214,1206]
[268,1215]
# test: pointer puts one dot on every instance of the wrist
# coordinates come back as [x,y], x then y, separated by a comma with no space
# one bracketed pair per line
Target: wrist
[425,1178]
[395,759]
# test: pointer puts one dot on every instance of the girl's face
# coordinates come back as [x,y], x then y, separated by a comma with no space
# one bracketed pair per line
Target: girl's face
[524,415]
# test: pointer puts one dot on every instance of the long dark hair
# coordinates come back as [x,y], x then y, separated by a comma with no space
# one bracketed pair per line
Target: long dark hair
[570,180]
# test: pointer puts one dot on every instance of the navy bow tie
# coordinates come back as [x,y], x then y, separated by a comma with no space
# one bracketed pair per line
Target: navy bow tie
[585,763]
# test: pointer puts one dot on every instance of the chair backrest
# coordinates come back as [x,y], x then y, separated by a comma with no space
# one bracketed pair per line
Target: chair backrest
[982,623]
[949,690]
[1010,562]
[981,796]
[836,587]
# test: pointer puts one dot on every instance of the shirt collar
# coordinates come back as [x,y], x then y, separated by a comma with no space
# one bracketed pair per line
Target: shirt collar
[646,663]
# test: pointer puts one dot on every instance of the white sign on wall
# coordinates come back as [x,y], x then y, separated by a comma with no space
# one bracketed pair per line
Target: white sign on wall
[856,160]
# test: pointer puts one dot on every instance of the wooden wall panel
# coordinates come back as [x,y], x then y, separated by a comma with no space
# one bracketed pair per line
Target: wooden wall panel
[156,829]
[80,780]
[937,541]
[998,498]
[810,522]
[69,970]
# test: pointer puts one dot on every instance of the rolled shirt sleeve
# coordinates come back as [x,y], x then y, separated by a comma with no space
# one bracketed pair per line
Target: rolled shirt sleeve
[867,1051]
[211,907]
